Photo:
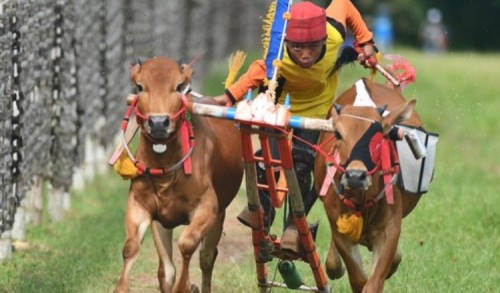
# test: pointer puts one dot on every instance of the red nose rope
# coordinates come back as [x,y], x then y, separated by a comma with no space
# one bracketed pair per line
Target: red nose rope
[388,165]
[186,134]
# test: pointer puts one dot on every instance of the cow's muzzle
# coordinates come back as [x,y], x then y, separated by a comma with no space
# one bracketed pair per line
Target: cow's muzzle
[356,179]
[158,126]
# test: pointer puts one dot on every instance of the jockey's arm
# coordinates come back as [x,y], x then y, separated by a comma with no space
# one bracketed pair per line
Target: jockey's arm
[251,79]
[346,13]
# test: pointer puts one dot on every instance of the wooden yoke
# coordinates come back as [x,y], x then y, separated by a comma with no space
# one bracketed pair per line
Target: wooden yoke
[268,246]
[267,120]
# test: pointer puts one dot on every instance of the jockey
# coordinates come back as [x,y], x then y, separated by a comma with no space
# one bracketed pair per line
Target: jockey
[308,73]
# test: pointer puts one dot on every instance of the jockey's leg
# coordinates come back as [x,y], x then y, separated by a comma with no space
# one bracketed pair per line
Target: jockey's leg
[264,198]
[303,159]
[303,163]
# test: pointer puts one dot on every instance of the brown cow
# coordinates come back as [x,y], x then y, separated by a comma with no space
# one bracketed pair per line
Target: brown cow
[189,183]
[359,194]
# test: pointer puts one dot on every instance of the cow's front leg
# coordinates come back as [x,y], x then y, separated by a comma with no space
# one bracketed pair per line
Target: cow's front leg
[333,263]
[202,221]
[351,256]
[208,253]
[137,221]
[163,242]
[385,245]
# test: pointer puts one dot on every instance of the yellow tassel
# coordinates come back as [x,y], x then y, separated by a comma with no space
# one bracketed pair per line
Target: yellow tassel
[236,61]
[351,226]
[373,73]
[266,27]
[125,167]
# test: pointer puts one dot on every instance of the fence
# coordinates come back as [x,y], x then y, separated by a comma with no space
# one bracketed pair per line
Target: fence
[64,78]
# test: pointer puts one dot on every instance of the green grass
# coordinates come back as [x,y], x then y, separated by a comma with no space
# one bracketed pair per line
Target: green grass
[450,242]
[78,254]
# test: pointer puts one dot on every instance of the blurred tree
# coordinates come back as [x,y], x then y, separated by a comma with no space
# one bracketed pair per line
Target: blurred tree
[471,24]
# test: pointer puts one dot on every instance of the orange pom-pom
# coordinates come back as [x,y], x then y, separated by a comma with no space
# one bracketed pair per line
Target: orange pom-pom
[287,15]
[277,63]
[351,226]
[125,167]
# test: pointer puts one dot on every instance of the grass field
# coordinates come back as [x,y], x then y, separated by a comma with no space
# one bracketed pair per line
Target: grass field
[450,243]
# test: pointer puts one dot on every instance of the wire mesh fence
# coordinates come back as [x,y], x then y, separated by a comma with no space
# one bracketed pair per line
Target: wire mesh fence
[64,75]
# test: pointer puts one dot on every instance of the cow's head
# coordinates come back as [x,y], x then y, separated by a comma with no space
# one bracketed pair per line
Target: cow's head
[359,133]
[161,85]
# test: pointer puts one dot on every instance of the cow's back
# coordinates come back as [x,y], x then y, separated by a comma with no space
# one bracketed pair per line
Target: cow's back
[381,95]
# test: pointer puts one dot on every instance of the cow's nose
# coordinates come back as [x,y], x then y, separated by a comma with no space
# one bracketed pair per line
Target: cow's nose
[356,178]
[158,123]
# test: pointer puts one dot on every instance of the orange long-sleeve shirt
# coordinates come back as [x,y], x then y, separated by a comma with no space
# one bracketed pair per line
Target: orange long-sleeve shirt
[346,13]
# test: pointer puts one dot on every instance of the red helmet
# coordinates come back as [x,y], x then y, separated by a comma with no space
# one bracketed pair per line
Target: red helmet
[307,23]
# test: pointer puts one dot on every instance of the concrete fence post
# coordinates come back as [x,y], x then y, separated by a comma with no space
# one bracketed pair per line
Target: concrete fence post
[33,202]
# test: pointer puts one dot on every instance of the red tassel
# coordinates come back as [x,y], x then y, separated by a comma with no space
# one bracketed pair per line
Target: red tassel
[188,169]
[386,169]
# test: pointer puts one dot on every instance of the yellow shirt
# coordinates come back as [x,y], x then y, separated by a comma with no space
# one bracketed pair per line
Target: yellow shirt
[312,90]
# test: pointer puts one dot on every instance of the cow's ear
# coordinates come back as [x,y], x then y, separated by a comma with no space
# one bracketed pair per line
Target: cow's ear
[399,114]
[134,71]
[187,71]
[185,78]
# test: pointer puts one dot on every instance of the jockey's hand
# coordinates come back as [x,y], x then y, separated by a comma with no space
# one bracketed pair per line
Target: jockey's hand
[367,55]
[223,100]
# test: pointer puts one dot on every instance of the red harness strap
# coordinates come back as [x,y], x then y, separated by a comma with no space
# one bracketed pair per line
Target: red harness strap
[187,141]
[389,158]
[388,166]
[357,209]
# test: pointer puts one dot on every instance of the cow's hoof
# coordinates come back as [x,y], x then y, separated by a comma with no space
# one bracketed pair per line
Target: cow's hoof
[194,289]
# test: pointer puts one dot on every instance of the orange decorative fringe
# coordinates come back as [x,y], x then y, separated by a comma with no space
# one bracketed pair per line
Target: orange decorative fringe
[351,226]
[236,61]
[373,73]
[266,27]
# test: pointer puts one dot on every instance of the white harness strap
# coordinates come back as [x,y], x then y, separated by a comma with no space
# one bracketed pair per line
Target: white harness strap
[363,97]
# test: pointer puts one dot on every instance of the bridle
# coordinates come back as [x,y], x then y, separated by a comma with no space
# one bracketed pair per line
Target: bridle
[141,119]
[387,165]
[186,135]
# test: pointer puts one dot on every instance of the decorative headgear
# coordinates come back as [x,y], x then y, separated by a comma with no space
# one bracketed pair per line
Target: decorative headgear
[307,23]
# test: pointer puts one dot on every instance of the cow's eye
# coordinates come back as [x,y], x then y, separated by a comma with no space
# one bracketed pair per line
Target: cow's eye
[139,88]
[337,134]
[183,87]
